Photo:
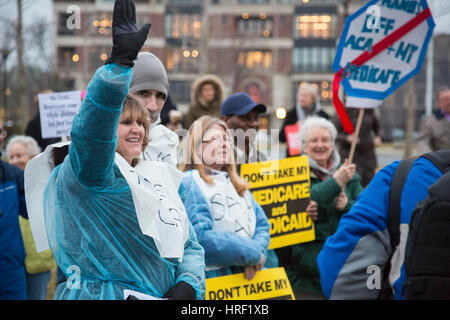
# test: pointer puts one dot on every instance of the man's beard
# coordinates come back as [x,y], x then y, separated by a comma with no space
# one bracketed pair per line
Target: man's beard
[153,116]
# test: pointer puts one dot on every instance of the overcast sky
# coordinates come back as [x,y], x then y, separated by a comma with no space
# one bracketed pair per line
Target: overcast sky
[43,9]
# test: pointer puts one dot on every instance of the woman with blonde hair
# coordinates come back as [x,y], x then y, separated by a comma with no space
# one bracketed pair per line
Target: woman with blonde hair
[230,225]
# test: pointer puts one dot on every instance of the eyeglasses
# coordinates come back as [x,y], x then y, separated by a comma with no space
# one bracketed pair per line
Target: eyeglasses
[3,133]
[217,139]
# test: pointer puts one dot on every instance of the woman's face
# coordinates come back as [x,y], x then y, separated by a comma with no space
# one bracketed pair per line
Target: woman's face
[208,92]
[216,147]
[305,98]
[130,136]
[319,145]
[18,155]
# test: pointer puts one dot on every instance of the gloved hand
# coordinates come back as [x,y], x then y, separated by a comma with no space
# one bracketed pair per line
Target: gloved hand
[127,40]
[181,291]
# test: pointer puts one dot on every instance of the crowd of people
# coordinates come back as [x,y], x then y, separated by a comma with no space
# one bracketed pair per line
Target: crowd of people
[137,223]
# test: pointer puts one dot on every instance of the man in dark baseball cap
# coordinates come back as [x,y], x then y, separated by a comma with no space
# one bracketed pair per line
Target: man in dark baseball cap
[240,111]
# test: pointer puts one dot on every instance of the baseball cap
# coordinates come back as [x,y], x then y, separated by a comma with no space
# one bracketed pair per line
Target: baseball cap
[239,104]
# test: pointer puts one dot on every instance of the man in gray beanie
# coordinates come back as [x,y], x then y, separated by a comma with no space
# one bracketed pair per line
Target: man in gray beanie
[150,85]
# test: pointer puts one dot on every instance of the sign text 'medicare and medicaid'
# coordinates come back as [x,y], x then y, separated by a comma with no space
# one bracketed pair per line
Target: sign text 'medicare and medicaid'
[267,284]
[395,34]
[57,111]
[284,194]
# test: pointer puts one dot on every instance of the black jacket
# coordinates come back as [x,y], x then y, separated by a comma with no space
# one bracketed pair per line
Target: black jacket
[291,118]
[33,130]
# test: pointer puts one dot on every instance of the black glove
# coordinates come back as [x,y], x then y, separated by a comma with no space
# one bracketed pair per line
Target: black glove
[127,40]
[181,291]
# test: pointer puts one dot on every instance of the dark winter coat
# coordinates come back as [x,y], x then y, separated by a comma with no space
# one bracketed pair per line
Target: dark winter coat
[33,130]
[292,118]
[198,106]
[12,252]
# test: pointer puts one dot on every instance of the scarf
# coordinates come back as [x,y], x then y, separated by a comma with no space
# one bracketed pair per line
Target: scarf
[322,172]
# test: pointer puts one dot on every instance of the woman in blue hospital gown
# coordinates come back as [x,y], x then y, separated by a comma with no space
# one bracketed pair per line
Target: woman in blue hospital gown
[91,212]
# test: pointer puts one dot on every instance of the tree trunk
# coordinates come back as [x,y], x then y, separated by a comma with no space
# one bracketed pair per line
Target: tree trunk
[22,110]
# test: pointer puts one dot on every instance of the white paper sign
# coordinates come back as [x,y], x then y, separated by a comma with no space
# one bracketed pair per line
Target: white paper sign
[37,173]
[139,295]
[159,209]
[57,111]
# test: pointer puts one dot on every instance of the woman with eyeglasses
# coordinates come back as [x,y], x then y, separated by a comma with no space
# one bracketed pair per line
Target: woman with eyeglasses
[230,225]
[334,188]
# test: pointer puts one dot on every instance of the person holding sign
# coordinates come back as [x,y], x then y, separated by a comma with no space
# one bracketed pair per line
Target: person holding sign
[113,225]
[307,105]
[329,202]
[232,228]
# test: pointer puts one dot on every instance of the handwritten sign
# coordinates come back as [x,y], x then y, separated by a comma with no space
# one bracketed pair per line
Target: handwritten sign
[284,194]
[382,46]
[270,284]
[57,111]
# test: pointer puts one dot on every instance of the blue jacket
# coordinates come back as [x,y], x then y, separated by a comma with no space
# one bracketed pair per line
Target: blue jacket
[12,203]
[12,251]
[90,215]
[351,257]
[224,249]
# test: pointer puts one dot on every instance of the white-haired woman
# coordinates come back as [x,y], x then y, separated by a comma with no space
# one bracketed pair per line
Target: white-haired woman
[307,105]
[20,150]
[328,201]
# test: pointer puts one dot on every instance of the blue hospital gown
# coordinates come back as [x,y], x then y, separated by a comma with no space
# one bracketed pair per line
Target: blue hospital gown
[90,216]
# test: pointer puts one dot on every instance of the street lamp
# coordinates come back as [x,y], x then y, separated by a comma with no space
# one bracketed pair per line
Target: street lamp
[5,52]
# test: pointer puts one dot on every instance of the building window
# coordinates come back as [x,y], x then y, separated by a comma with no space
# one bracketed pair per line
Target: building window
[253,1]
[255,59]
[254,91]
[67,57]
[100,24]
[313,59]
[97,57]
[62,25]
[180,91]
[182,59]
[180,25]
[184,1]
[259,26]
[315,26]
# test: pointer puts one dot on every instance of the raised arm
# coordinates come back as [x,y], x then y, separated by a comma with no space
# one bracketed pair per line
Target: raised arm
[94,129]
[221,249]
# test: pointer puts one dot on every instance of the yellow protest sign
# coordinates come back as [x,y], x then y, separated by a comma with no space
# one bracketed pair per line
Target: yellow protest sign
[282,188]
[267,284]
